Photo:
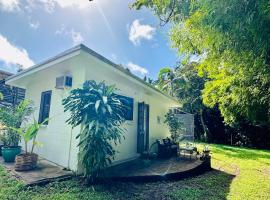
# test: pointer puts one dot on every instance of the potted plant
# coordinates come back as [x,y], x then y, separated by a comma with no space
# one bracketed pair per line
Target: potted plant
[28,160]
[11,146]
[1,138]
[13,116]
[1,146]
[206,151]
[175,126]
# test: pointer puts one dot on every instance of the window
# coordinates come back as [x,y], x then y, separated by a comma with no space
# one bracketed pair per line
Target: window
[45,104]
[128,103]
[68,81]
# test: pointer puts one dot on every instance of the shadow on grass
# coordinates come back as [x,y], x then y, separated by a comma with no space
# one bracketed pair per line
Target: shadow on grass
[211,185]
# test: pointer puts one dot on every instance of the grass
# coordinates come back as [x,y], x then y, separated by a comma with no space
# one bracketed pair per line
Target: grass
[239,173]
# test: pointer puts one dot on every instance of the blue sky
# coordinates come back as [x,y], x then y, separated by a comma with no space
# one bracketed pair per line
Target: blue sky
[32,31]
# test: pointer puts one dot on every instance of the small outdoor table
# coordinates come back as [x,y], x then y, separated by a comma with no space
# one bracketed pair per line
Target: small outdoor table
[189,150]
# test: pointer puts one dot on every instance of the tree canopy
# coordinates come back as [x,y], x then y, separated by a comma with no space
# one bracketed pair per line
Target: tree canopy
[232,38]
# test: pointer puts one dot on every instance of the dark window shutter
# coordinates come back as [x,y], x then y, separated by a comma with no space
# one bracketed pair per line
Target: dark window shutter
[147,127]
[140,128]
[45,105]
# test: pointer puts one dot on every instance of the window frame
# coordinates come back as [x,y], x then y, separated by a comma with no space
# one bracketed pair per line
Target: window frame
[42,115]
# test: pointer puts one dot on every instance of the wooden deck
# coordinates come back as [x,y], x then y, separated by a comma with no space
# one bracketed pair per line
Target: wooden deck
[139,170]
[143,170]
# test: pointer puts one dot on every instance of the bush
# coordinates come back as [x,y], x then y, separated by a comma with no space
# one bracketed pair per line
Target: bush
[100,112]
[13,116]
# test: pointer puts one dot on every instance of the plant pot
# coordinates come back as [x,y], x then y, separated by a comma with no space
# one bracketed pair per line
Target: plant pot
[206,152]
[25,162]
[9,153]
[1,149]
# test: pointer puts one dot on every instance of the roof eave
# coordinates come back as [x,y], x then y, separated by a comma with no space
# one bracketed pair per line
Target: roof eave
[93,53]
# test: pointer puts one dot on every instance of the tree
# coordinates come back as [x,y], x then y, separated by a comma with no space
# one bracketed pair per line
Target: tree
[184,83]
[100,113]
[188,89]
[165,80]
[233,37]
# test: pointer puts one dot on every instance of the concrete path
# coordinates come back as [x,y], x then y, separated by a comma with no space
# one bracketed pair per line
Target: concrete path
[45,172]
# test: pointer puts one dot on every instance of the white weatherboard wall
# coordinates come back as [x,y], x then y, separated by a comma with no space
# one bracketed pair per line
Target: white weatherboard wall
[56,136]
[159,104]
[59,143]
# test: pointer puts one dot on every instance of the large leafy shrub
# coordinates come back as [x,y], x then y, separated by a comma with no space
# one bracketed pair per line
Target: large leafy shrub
[98,110]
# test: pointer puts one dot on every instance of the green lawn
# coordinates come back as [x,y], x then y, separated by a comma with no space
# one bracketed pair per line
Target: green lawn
[239,174]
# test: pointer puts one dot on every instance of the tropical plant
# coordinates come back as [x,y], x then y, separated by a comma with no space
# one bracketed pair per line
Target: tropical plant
[13,116]
[165,80]
[1,96]
[188,89]
[233,37]
[99,111]
[184,83]
[29,133]
[175,125]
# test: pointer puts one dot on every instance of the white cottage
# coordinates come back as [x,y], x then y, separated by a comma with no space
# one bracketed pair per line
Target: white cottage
[49,82]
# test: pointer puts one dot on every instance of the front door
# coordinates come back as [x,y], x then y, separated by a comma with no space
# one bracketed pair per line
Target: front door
[143,127]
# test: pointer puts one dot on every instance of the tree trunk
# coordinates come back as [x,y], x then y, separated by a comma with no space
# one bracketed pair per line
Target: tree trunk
[205,129]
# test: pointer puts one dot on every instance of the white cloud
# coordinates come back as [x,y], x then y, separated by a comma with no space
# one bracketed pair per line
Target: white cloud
[47,5]
[12,55]
[81,4]
[34,25]
[139,32]
[137,69]
[10,5]
[50,5]
[114,57]
[75,36]
[61,31]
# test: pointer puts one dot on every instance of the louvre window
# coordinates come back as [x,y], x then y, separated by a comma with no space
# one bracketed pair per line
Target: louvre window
[45,105]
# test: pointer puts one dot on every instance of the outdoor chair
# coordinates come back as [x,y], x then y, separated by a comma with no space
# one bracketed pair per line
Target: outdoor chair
[166,148]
